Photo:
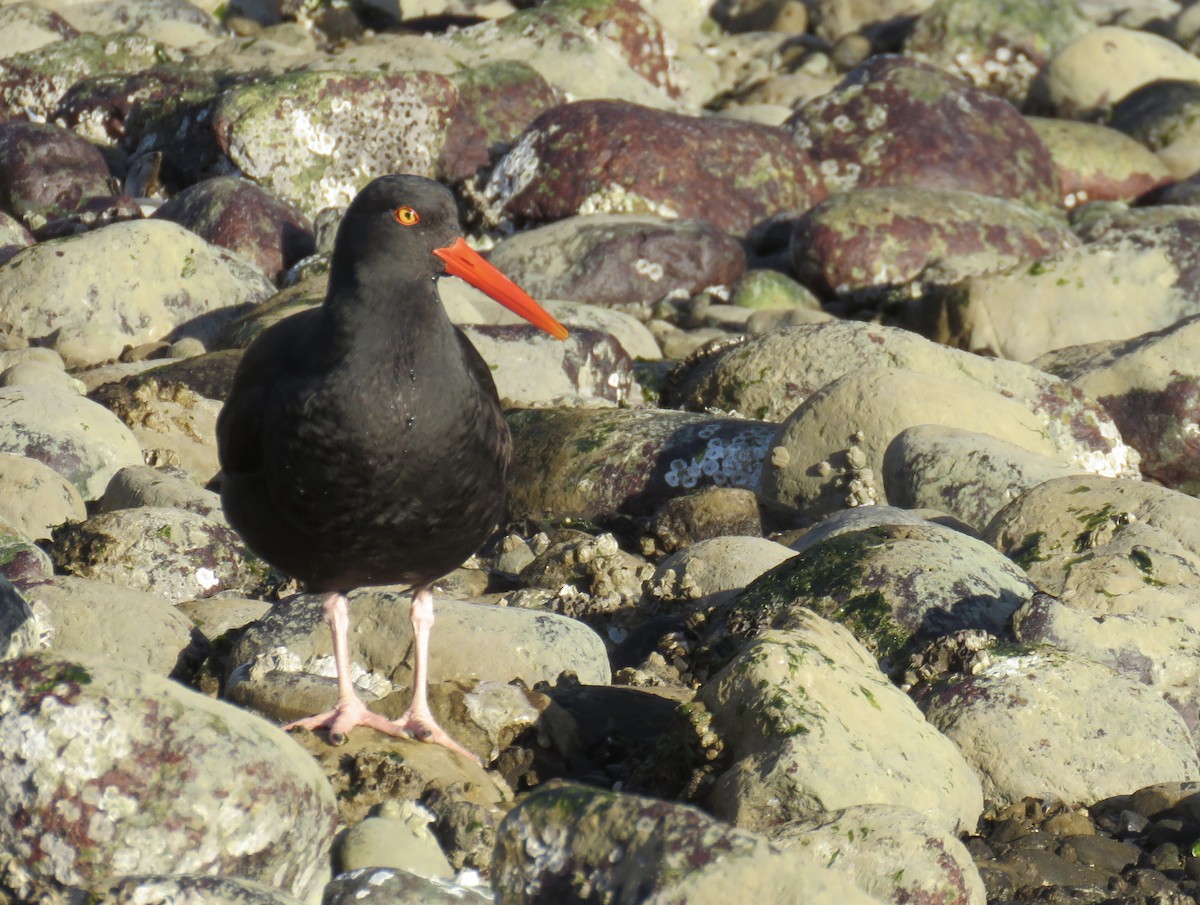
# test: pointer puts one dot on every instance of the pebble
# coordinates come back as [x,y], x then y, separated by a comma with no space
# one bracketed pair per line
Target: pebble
[851,549]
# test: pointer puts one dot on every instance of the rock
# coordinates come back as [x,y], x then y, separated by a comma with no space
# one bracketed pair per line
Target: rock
[191,890]
[971,476]
[27,26]
[1098,163]
[141,796]
[174,426]
[173,552]
[38,373]
[96,620]
[1150,387]
[709,513]
[1105,64]
[293,639]
[595,566]
[151,279]
[381,885]
[604,465]
[176,23]
[35,498]
[80,440]
[813,725]
[864,843]
[558,845]
[896,122]
[887,238]
[238,215]
[998,49]
[20,558]
[1054,725]
[399,838]
[141,485]
[834,19]
[892,585]
[718,564]
[1115,288]
[615,157]
[619,258]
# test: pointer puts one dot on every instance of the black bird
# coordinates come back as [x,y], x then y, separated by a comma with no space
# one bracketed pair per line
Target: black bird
[363,442]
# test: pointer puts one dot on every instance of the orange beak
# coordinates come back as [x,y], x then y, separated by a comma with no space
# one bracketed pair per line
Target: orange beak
[463,261]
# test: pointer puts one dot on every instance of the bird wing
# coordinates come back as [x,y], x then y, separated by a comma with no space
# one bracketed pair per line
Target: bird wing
[496,428]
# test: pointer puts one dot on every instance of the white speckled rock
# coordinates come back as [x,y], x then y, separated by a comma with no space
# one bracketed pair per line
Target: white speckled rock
[175,783]
[78,617]
[192,889]
[813,725]
[147,279]
[35,498]
[1050,724]
[82,441]
[574,843]
[867,844]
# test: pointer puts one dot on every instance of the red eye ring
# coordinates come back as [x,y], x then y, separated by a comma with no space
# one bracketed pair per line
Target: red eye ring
[406,216]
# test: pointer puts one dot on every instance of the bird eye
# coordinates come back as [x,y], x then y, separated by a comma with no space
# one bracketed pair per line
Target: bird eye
[406,216]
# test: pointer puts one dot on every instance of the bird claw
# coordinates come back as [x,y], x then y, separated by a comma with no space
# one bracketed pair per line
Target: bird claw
[348,714]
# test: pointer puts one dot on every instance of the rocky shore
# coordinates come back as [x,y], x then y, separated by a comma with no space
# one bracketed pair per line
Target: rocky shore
[851,552]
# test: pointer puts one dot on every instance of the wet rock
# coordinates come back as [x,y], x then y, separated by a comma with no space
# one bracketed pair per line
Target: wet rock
[969,475]
[33,83]
[140,797]
[560,842]
[80,440]
[1054,725]
[813,725]
[713,512]
[603,466]
[49,173]
[896,122]
[1115,288]
[1160,115]
[596,566]
[612,48]
[35,498]
[998,49]
[184,286]
[891,585]
[1098,163]
[369,885]
[530,368]
[172,552]
[1102,66]
[80,617]
[619,258]
[615,157]
[864,844]
[143,485]
[1152,390]
[886,238]
[238,215]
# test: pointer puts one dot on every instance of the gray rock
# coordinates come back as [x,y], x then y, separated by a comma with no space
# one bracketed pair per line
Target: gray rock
[866,842]
[82,441]
[568,843]
[195,889]
[387,886]
[214,617]
[398,837]
[1049,724]
[715,565]
[712,512]
[28,26]
[891,585]
[95,620]
[141,485]
[600,465]
[34,498]
[813,725]
[969,475]
[39,373]
[176,783]
[151,279]
[173,552]
[1098,163]
[19,629]
[619,258]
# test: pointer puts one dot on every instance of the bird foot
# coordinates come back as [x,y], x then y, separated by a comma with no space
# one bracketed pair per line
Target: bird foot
[347,714]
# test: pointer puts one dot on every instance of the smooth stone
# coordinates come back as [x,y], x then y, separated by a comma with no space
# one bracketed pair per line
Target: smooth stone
[176,783]
[194,889]
[813,725]
[80,617]
[142,485]
[866,842]
[398,837]
[38,373]
[82,441]
[214,617]
[1049,724]
[35,498]
[718,564]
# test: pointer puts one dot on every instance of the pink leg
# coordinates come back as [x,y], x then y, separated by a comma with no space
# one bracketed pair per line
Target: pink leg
[350,711]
